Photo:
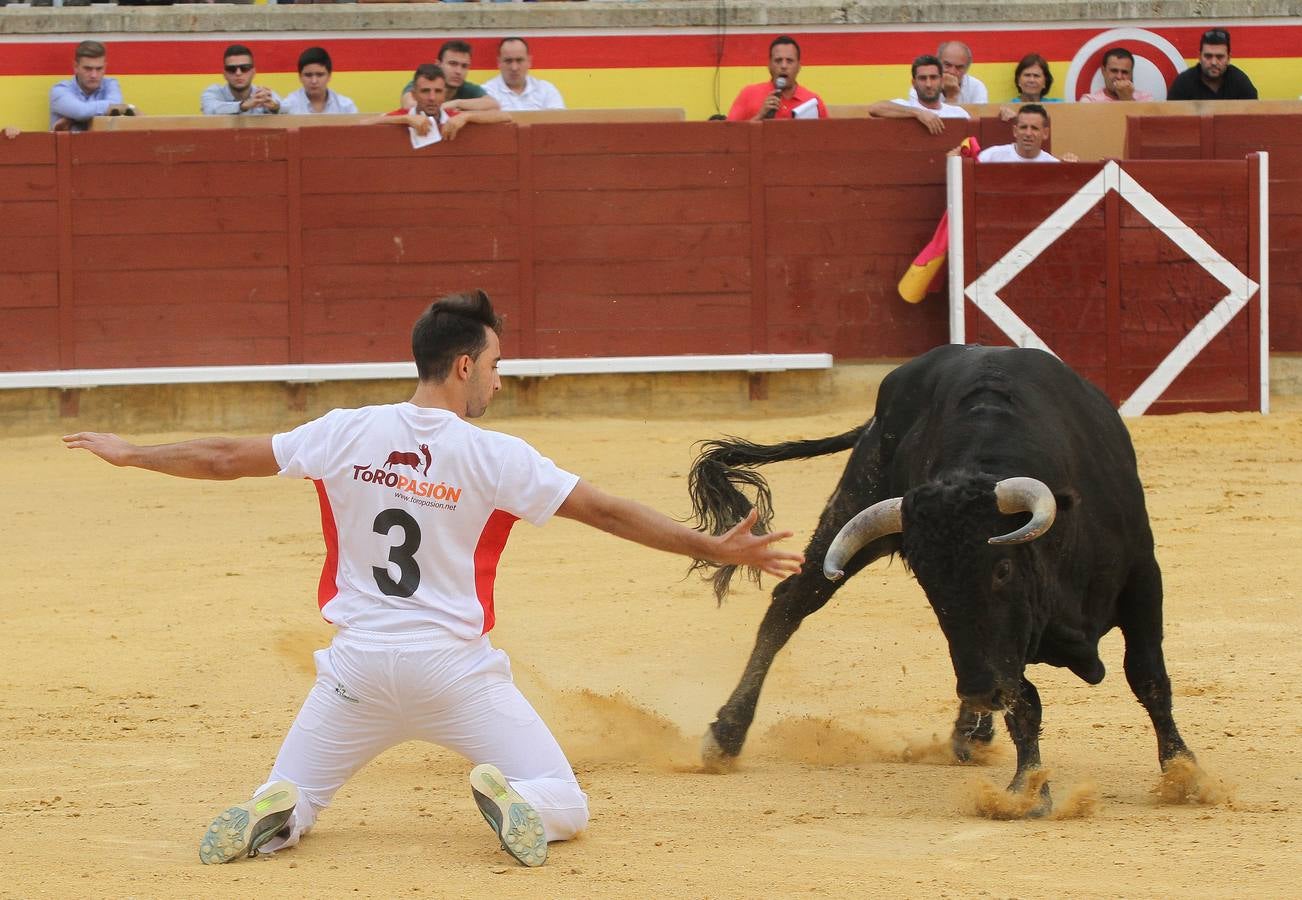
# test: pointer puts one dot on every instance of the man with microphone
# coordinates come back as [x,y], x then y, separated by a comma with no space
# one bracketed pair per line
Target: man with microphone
[779,97]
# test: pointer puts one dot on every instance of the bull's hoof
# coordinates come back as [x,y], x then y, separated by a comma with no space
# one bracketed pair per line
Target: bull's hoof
[971,736]
[714,758]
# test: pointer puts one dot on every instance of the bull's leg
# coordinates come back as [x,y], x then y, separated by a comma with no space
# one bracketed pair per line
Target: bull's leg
[798,596]
[1140,613]
[970,729]
[1023,721]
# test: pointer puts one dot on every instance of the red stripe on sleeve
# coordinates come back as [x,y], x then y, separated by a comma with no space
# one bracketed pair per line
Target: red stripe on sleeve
[327,588]
[487,552]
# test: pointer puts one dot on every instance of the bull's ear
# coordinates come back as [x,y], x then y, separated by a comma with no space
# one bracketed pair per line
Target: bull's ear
[1067,498]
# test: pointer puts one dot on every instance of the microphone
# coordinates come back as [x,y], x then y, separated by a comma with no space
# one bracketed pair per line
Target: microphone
[779,85]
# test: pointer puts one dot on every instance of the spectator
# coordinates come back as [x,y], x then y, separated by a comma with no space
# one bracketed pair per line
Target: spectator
[925,104]
[454,60]
[1118,81]
[1030,131]
[780,96]
[238,96]
[315,96]
[515,88]
[1213,77]
[429,89]
[956,84]
[88,93]
[1033,80]
[11,131]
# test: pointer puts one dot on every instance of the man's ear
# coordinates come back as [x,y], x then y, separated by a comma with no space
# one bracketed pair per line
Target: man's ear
[463,366]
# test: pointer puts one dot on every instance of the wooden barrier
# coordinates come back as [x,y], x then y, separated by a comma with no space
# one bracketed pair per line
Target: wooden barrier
[524,117]
[1216,137]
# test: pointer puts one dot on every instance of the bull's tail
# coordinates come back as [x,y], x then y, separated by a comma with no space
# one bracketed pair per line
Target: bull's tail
[723,467]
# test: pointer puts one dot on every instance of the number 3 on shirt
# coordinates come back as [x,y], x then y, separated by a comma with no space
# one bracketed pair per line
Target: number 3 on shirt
[402,556]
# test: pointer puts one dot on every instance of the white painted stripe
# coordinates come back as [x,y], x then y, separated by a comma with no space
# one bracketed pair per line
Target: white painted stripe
[1263,272]
[86,378]
[954,205]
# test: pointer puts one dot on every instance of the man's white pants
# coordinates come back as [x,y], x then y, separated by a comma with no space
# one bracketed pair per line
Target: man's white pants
[376,690]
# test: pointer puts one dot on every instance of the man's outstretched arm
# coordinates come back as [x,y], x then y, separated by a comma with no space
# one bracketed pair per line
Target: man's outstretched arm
[217,458]
[643,525]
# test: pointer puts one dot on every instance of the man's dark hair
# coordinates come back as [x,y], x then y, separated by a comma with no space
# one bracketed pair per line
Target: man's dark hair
[925,60]
[455,46]
[506,40]
[1118,53]
[237,50]
[784,39]
[428,71]
[1216,37]
[88,50]
[314,56]
[1034,108]
[453,326]
[1034,59]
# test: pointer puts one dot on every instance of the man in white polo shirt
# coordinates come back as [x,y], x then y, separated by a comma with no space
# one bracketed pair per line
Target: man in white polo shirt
[515,89]
[929,108]
[1030,131]
[416,507]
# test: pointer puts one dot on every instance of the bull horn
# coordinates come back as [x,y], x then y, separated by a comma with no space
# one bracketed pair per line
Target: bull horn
[878,520]
[1022,494]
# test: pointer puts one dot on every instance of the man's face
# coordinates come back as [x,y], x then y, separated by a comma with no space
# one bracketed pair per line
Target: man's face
[784,62]
[927,83]
[955,62]
[1116,68]
[513,62]
[430,95]
[314,79]
[1029,132]
[89,72]
[456,66]
[239,71]
[1213,60]
[484,381]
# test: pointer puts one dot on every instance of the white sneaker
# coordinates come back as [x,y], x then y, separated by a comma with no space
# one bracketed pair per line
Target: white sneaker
[245,827]
[516,823]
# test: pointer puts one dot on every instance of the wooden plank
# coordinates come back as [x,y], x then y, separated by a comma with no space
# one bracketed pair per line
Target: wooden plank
[527,237]
[641,207]
[63,257]
[388,141]
[294,244]
[1163,137]
[179,215]
[365,315]
[855,239]
[214,350]
[40,253]
[814,139]
[20,183]
[177,251]
[720,275]
[431,176]
[214,179]
[856,167]
[670,242]
[29,217]
[391,210]
[25,339]
[166,322]
[195,288]
[853,203]
[423,281]
[174,148]
[618,341]
[650,310]
[677,170]
[29,149]
[387,347]
[409,244]
[25,290]
[616,138]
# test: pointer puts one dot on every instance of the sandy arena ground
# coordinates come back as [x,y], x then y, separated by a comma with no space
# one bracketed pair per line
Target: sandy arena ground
[159,634]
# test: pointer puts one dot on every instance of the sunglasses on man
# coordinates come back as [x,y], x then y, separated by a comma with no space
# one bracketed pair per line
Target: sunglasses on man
[239,67]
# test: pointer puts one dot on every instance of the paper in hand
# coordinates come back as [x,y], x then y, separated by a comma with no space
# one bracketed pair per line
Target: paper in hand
[806,110]
[434,136]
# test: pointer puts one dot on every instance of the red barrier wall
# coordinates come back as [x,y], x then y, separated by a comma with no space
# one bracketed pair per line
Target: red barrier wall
[1233,137]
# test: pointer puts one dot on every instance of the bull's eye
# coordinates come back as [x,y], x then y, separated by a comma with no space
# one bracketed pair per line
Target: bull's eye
[1003,572]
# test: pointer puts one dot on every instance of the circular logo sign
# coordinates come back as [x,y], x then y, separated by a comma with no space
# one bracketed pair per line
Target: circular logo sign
[1156,62]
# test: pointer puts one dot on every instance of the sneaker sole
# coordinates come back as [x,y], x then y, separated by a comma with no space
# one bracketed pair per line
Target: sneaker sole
[245,827]
[516,823]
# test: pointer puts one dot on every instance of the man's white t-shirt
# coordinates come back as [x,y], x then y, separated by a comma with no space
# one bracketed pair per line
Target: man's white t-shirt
[416,507]
[537,94]
[946,111]
[1007,153]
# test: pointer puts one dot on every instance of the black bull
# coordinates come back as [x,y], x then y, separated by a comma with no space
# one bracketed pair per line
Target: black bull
[963,443]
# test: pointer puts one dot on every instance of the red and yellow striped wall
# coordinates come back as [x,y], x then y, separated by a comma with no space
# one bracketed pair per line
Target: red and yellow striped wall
[697,69]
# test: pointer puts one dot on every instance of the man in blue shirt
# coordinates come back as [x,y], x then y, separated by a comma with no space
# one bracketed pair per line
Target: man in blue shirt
[89,93]
[239,96]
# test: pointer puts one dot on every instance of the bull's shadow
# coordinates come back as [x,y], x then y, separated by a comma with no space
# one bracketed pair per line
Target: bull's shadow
[1009,487]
